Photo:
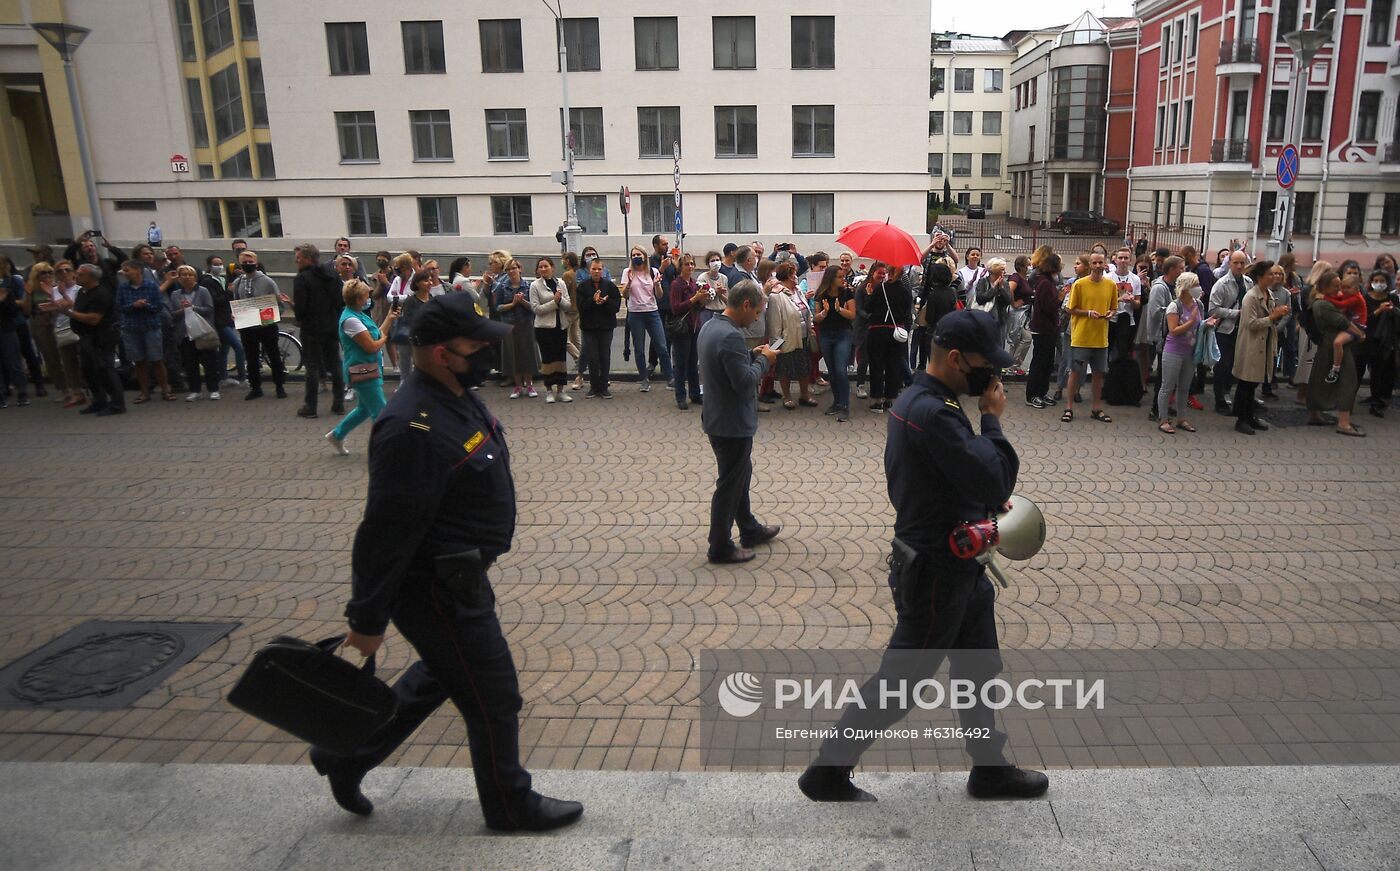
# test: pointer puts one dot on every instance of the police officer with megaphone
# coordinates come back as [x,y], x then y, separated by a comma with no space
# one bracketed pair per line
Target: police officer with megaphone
[943,480]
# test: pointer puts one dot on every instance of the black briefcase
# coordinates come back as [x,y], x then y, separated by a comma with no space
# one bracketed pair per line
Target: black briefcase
[307,690]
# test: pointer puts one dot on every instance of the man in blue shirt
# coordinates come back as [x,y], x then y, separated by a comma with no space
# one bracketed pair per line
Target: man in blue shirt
[140,303]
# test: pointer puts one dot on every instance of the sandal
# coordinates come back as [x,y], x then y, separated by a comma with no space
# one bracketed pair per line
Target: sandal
[169,397]
[1354,431]
[789,404]
[1181,424]
[1166,428]
[1068,416]
[1097,414]
[809,403]
[145,397]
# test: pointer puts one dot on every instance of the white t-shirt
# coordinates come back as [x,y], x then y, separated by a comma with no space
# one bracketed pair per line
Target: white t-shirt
[716,284]
[1129,282]
[352,327]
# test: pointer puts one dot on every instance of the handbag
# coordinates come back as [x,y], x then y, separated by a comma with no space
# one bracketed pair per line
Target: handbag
[63,334]
[307,690]
[901,335]
[362,372]
[677,326]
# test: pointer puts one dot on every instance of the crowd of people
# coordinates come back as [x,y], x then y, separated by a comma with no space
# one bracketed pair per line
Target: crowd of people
[1125,323]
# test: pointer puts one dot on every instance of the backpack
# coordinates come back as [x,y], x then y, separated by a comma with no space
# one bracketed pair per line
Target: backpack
[1122,385]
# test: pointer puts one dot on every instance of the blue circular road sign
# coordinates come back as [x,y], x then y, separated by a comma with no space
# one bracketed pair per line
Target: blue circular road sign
[1287,171]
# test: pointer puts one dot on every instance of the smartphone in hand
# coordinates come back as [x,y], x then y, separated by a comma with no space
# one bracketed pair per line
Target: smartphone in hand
[775,344]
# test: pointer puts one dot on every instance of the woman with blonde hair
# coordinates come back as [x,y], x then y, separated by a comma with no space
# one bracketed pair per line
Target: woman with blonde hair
[41,290]
[1302,313]
[361,343]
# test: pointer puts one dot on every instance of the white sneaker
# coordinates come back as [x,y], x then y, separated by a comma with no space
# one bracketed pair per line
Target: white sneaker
[861,392]
[191,397]
[531,391]
[549,396]
[214,396]
[564,397]
[515,394]
[337,445]
[229,382]
[349,395]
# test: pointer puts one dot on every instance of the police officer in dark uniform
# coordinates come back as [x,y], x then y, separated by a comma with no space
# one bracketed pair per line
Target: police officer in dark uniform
[941,474]
[440,511]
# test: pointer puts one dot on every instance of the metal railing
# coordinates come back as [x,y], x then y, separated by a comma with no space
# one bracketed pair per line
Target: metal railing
[1229,150]
[1173,238]
[1239,51]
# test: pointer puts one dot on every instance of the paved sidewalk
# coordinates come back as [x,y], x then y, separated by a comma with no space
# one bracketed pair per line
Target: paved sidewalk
[250,818]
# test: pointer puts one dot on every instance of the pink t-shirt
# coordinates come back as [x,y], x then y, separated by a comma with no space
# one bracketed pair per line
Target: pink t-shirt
[641,286]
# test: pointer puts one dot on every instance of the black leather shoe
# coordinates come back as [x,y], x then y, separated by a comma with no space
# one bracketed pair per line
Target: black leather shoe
[831,783]
[306,412]
[111,410]
[1005,781]
[1243,428]
[737,555]
[1223,408]
[281,392]
[763,536]
[345,780]
[255,393]
[91,409]
[539,814]
[337,409]
[1260,425]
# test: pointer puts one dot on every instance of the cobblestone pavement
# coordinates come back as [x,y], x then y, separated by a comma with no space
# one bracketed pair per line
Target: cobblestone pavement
[238,512]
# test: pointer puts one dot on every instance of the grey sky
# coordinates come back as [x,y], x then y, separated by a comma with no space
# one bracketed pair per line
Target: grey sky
[996,17]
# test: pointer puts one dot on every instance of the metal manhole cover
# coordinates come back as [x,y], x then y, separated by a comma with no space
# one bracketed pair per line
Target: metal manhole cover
[104,664]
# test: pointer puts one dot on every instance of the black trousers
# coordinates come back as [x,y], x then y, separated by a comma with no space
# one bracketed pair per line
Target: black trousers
[1042,363]
[1382,366]
[1224,377]
[192,358]
[256,342]
[97,356]
[599,358]
[465,658]
[1245,409]
[730,504]
[886,374]
[956,616]
[322,356]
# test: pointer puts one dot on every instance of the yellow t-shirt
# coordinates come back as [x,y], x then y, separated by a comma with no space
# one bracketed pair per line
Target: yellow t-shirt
[1090,295]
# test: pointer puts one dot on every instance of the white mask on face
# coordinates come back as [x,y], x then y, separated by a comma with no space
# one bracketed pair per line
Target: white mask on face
[1378,286]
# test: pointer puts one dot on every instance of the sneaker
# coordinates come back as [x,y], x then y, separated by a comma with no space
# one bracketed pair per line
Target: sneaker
[349,395]
[861,392]
[832,410]
[549,397]
[646,386]
[606,394]
[843,415]
[515,394]
[1194,403]
[564,397]
[592,394]
[23,400]
[1034,402]
[532,392]
[1049,401]
[878,407]
[229,382]
[337,445]
[191,397]
[255,393]
[214,397]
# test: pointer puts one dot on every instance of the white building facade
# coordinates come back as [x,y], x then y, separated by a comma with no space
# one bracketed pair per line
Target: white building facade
[408,121]
[969,120]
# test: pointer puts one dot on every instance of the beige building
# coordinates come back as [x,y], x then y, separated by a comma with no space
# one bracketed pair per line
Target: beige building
[969,120]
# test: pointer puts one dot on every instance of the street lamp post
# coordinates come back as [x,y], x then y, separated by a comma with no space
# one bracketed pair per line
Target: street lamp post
[1305,45]
[65,38]
[573,233]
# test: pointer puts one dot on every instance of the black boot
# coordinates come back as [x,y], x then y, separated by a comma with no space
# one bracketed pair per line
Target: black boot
[345,779]
[1005,781]
[831,783]
[538,813]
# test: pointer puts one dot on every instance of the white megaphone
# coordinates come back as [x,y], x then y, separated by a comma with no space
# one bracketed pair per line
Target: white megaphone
[1020,535]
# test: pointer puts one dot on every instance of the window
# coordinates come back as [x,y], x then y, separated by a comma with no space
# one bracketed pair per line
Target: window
[1078,116]
[587,127]
[962,81]
[184,31]
[267,166]
[737,213]
[500,46]
[656,43]
[1186,118]
[1160,133]
[506,137]
[935,123]
[592,213]
[658,127]
[422,47]
[1390,215]
[964,200]
[1321,8]
[962,123]
[1356,213]
[247,20]
[217,25]
[1278,115]
[1156,206]
[657,213]
[348,45]
[1286,14]
[935,164]
[813,42]
[1035,90]
[991,164]
[991,81]
[1180,39]
[1264,222]
[736,131]
[1303,203]
[813,131]
[365,216]
[228,103]
[813,213]
[135,205]
[1368,110]
[239,165]
[1382,22]
[1239,114]
[1312,115]
[581,40]
[987,201]
[734,42]
[991,123]
[1193,32]
[432,134]
[206,171]
[1172,128]
[1164,54]
[194,92]
[243,218]
[1247,19]
[936,82]
[962,165]
[510,216]
[437,216]
[257,94]
[1030,148]
[359,140]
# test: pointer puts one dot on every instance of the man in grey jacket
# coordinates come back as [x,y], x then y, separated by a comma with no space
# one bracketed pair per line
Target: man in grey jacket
[261,340]
[730,373]
[1225,299]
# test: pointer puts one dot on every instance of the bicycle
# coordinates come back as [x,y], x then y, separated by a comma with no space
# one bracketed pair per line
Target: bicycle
[289,347]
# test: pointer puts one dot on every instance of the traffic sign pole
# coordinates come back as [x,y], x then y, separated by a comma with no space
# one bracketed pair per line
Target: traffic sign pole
[625,199]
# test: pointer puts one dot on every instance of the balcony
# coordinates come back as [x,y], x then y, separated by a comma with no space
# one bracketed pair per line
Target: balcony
[1239,57]
[1231,155]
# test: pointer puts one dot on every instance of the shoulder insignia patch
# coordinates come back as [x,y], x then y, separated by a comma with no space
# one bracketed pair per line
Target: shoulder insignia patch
[951,404]
[472,443]
[418,425]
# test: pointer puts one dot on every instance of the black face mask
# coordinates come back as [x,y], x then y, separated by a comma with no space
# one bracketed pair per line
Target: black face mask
[638,261]
[249,268]
[979,378]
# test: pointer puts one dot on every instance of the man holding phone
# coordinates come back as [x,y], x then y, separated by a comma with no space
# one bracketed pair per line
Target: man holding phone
[730,373]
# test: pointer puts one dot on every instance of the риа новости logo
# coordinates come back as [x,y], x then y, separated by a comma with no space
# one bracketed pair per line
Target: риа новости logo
[740,694]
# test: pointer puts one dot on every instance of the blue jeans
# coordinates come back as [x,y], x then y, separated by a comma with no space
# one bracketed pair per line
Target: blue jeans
[836,350]
[228,338]
[685,364]
[369,401]
[639,326]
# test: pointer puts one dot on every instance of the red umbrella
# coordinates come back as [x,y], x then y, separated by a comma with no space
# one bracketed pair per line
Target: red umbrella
[881,240]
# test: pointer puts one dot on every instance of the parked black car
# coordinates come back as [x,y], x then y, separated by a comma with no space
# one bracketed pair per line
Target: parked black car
[976,213]
[1085,221]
